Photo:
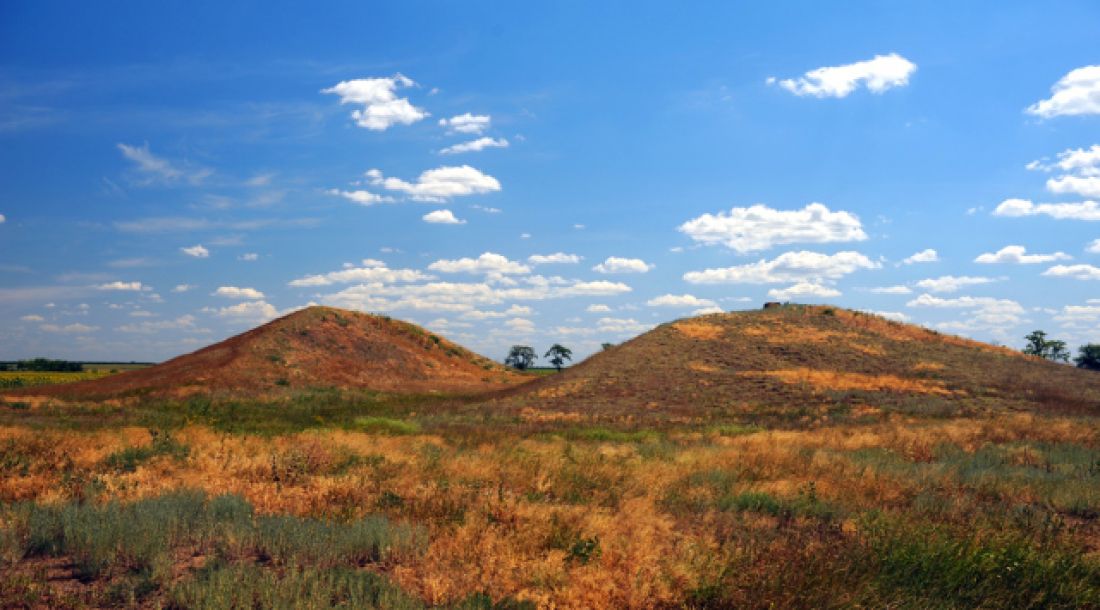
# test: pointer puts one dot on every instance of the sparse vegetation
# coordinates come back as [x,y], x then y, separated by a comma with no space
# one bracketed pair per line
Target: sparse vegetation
[520,357]
[557,355]
[1051,349]
[836,461]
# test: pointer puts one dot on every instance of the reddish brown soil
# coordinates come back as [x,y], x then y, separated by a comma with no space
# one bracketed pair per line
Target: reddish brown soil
[317,347]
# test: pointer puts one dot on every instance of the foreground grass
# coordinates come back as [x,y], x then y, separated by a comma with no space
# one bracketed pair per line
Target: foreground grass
[374,502]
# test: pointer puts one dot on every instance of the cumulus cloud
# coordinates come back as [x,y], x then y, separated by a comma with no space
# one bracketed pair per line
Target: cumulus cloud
[802,290]
[1085,161]
[924,256]
[877,74]
[185,322]
[1085,210]
[1086,186]
[557,257]
[1093,246]
[1079,316]
[371,271]
[234,292]
[381,107]
[682,300]
[197,251]
[597,308]
[123,286]
[247,311]
[475,146]
[759,227]
[787,267]
[951,283]
[1018,255]
[249,257]
[439,184]
[890,290]
[184,287]
[488,262]
[364,198]
[615,264]
[466,123]
[2,219]
[32,318]
[442,217]
[985,312]
[1077,272]
[76,328]
[1075,93]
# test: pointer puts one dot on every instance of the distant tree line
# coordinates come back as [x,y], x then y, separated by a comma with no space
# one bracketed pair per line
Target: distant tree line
[523,356]
[42,364]
[1088,355]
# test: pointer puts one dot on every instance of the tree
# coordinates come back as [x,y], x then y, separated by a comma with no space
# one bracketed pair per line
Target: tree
[607,346]
[559,354]
[1088,357]
[521,357]
[1051,349]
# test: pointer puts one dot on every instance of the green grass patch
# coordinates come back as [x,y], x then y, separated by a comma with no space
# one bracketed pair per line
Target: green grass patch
[385,425]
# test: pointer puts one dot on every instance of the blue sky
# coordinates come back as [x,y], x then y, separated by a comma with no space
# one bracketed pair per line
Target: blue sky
[174,173]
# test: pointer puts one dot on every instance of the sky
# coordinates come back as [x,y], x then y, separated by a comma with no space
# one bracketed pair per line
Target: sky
[174,173]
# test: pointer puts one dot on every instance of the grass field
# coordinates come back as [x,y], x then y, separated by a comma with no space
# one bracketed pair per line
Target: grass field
[368,500]
[27,379]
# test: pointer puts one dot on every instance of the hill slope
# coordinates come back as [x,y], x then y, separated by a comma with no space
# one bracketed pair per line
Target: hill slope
[311,348]
[805,364]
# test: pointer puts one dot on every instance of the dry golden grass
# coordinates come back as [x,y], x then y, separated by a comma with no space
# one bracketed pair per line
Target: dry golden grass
[837,380]
[493,523]
[699,330]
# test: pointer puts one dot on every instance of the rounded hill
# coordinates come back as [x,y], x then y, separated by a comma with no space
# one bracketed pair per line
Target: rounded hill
[803,363]
[316,347]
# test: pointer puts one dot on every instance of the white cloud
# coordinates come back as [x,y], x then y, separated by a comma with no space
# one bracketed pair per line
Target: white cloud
[787,267]
[1086,186]
[475,146]
[1018,255]
[878,74]
[759,227]
[1083,161]
[439,184]
[803,289]
[924,256]
[615,264]
[364,198]
[185,322]
[371,271]
[707,310]
[249,257]
[896,316]
[488,262]
[2,219]
[234,292]
[1077,272]
[597,308]
[33,318]
[890,290]
[1093,246]
[381,106]
[247,311]
[76,328]
[197,251]
[1078,316]
[466,123]
[683,300]
[1085,210]
[442,217]
[986,312]
[557,257]
[606,326]
[123,286]
[148,163]
[1075,93]
[951,283]
[184,287]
